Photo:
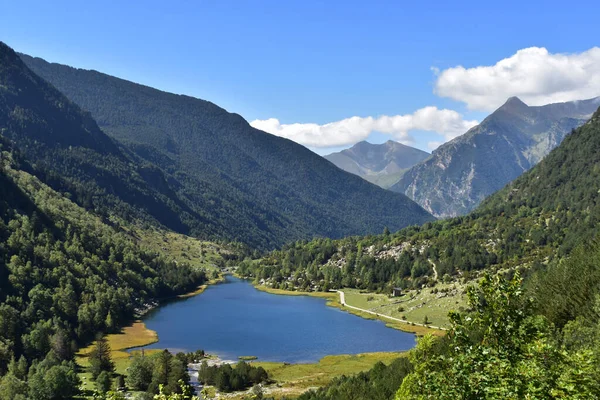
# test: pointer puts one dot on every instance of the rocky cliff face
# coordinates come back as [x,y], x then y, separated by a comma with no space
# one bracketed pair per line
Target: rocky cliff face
[381,164]
[464,171]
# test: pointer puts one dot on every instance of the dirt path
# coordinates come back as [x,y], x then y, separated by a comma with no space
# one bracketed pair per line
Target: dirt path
[435,273]
[343,303]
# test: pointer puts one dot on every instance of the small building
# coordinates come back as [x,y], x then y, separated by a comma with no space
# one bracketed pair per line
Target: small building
[396,292]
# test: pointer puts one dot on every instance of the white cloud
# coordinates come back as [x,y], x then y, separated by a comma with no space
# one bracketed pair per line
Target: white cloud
[534,75]
[447,123]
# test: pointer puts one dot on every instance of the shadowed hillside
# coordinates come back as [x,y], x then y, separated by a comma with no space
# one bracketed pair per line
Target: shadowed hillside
[245,184]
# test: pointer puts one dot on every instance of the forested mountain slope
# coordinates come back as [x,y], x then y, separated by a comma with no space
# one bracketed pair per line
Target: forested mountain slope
[542,215]
[463,172]
[67,273]
[246,184]
[65,276]
[382,164]
[69,152]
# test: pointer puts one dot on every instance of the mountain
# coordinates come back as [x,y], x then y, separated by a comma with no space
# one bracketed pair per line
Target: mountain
[542,227]
[65,274]
[381,164]
[69,152]
[541,216]
[464,171]
[69,271]
[241,183]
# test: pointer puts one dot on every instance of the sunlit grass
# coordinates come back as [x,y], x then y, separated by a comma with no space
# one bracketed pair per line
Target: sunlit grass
[134,335]
[294,379]
[414,305]
[181,248]
[357,299]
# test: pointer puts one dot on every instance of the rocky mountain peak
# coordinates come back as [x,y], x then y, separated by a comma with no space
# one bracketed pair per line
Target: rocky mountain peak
[514,105]
[515,137]
[382,164]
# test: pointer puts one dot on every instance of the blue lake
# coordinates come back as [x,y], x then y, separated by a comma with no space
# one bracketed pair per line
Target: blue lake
[234,319]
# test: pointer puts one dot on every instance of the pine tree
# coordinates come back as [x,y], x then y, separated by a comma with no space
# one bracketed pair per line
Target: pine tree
[109,322]
[100,359]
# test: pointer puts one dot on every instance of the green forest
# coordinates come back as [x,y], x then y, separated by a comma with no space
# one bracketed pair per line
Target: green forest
[531,326]
[66,275]
[520,340]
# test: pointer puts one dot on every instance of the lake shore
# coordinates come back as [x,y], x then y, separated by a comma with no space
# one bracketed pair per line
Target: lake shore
[293,379]
[200,289]
[333,300]
[136,334]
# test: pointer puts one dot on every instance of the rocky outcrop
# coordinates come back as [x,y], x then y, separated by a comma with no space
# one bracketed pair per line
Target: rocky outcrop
[464,171]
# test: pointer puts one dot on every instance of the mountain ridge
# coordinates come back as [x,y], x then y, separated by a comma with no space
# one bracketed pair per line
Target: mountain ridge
[382,164]
[245,184]
[70,152]
[462,172]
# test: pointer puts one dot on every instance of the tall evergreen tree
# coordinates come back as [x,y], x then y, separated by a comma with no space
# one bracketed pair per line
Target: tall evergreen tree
[100,359]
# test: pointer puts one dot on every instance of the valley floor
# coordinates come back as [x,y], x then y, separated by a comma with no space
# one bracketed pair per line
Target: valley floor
[407,313]
[291,380]
[294,379]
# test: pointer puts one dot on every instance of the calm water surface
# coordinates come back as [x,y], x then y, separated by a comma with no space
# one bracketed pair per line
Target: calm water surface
[234,319]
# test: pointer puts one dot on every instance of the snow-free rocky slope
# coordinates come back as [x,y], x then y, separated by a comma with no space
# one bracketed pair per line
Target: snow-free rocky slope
[463,172]
[382,164]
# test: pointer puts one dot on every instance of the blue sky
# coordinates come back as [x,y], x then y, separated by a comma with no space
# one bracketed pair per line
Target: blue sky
[319,62]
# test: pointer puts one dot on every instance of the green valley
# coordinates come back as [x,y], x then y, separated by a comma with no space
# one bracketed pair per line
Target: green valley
[157,246]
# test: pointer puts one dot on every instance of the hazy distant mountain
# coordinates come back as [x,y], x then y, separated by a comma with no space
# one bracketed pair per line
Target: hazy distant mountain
[464,171]
[241,183]
[382,164]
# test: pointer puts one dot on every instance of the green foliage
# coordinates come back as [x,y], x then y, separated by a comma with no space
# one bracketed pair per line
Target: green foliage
[65,275]
[379,383]
[230,379]
[12,388]
[103,382]
[119,382]
[184,394]
[68,151]
[543,215]
[52,380]
[500,350]
[100,360]
[567,289]
[192,357]
[65,271]
[160,370]
[110,395]
[139,373]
